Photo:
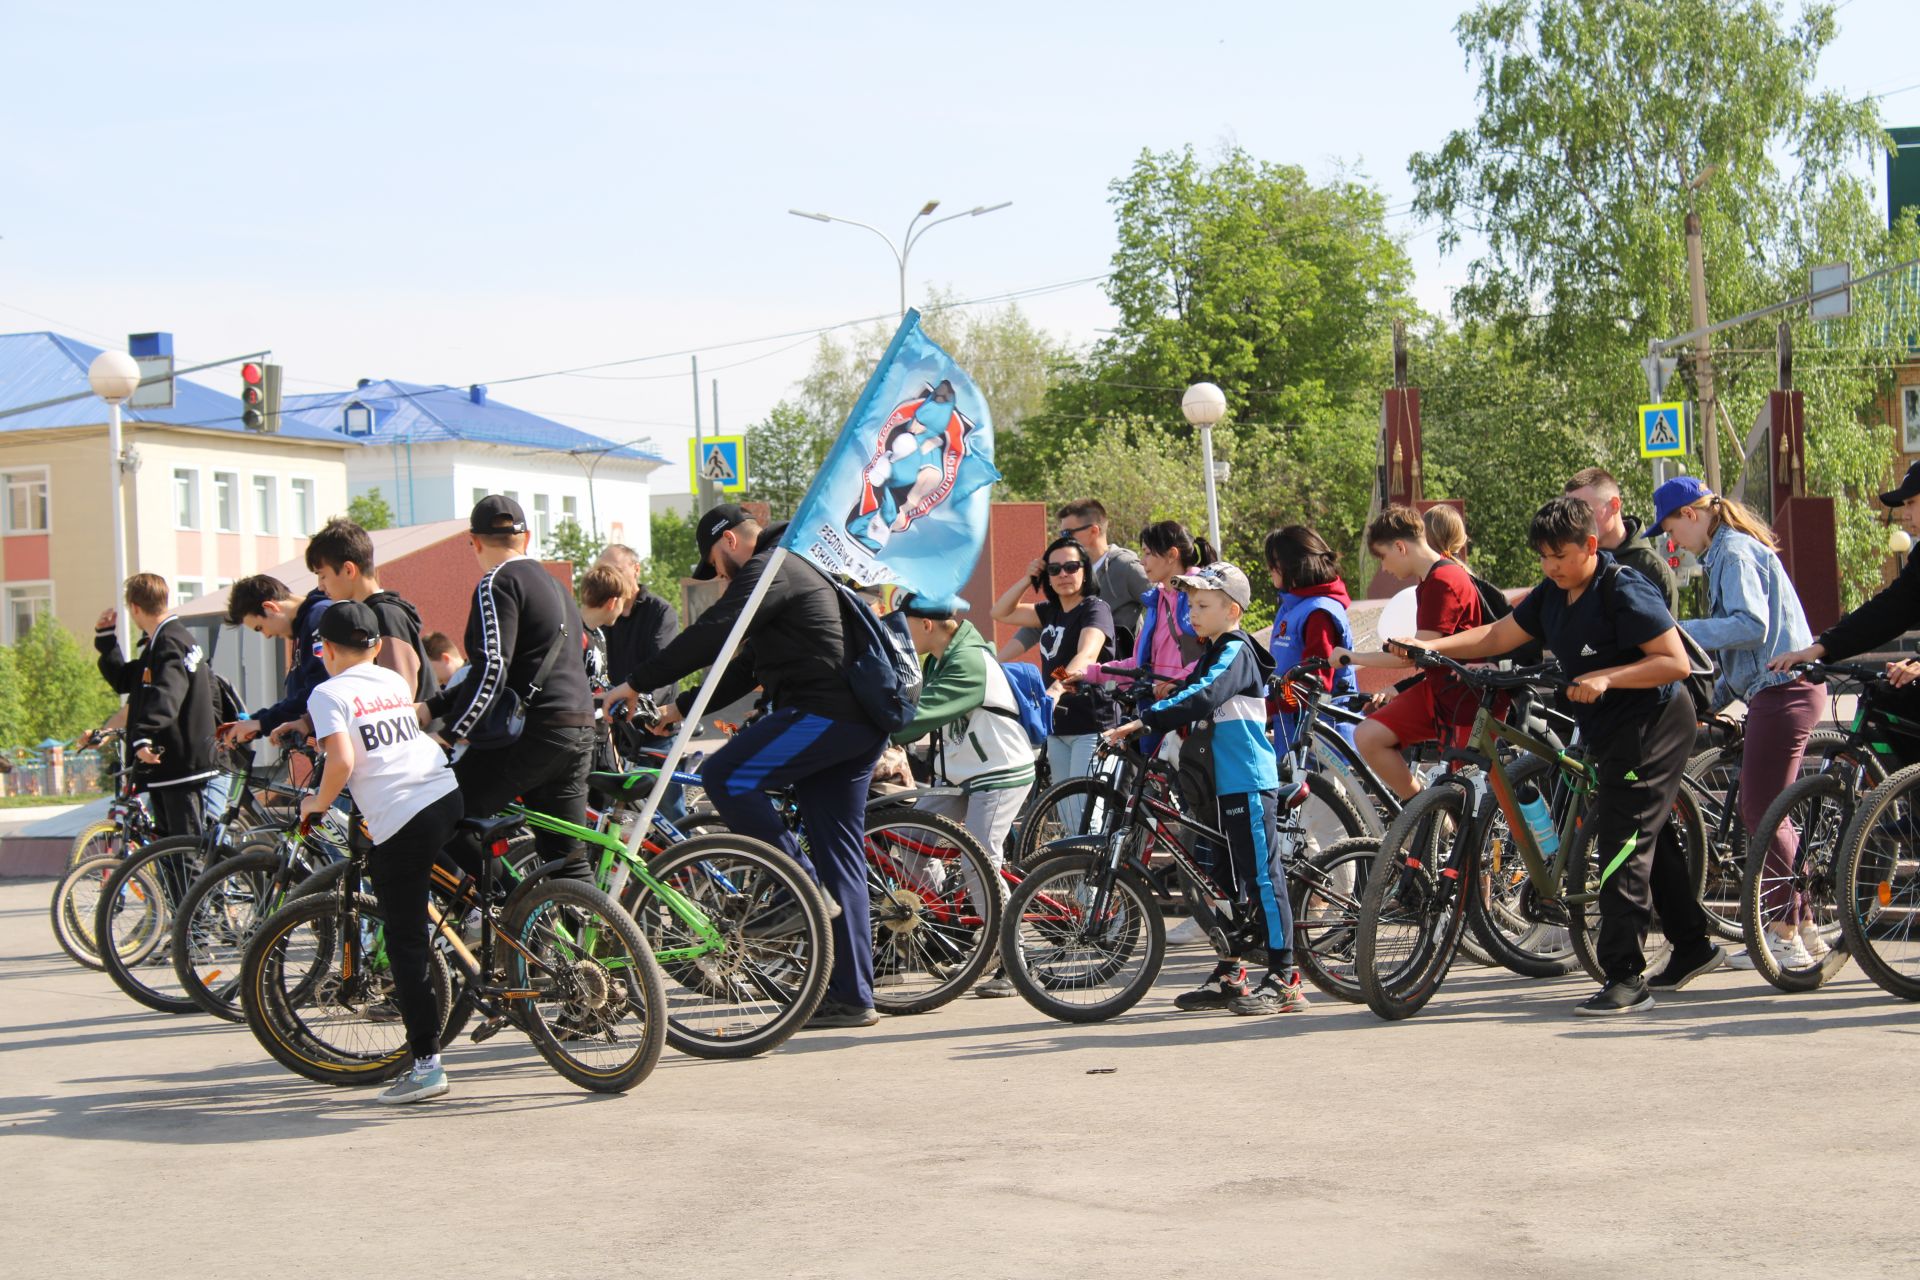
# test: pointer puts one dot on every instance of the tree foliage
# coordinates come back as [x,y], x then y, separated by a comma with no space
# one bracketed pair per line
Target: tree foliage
[1601,123]
[675,552]
[784,453]
[12,719]
[60,689]
[571,543]
[370,511]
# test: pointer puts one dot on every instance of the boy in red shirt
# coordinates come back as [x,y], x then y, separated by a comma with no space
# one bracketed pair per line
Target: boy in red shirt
[1446,601]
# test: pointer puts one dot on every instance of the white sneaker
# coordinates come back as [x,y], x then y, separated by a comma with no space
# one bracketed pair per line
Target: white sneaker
[1789,952]
[1810,939]
[1739,960]
[1186,933]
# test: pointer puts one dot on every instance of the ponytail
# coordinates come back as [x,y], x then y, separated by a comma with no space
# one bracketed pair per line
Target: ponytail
[1203,553]
[1742,518]
[1170,538]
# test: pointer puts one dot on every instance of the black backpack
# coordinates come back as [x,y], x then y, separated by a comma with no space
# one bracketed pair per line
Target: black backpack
[1701,668]
[1495,606]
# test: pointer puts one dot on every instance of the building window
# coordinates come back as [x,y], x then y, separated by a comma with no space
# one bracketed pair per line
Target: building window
[570,509]
[478,494]
[303,507]
[186,498]
[542,521]
[266,504]
[186,589]
[26,501]
[25,603]
[226,502]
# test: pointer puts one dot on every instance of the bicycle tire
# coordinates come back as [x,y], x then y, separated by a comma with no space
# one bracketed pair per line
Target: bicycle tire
[1407,888]
[1583,874]
[1505,916]
[778,952]
[1878,886]
[143,897]
[76,901]
[1035,936]
[936,902]
[1343,815]
[1039,829]
[591,992]
[1822,804]
[1326,920]
[223,908]
[308,1012]
[111,840]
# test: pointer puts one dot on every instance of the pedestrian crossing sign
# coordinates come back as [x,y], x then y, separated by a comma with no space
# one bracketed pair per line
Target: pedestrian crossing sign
[1663,430]
[720,461]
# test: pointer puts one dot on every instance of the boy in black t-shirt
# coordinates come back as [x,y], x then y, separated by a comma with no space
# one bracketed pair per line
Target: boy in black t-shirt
[1618,645]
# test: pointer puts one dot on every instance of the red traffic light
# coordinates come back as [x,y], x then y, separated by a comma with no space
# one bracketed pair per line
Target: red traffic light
[250,374]
[1673,562]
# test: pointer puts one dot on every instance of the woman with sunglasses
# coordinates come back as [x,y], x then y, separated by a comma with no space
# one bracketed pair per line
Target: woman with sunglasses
[1076,631]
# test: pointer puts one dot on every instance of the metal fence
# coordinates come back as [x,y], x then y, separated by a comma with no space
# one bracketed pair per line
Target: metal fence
[52,771]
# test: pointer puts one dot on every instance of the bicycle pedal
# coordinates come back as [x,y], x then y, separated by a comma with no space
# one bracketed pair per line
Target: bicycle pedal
[1218,938]
[487,1030]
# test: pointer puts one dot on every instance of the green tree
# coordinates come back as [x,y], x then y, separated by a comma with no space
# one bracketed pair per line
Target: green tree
[1601,124]
[784,453]
[674,554]
[60,689]
[370,511]
[12,711]
[575,545]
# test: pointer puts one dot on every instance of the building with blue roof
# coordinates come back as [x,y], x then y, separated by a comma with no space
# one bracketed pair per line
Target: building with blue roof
[204,499]
[433,451]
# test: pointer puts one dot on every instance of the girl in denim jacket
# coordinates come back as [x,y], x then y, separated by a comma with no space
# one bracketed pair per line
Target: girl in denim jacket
[1754,616]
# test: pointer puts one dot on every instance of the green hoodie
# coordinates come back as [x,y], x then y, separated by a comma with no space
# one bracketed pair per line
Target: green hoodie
[964,696]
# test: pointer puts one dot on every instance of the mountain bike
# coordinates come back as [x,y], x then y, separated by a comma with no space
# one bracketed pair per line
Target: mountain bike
[557,958]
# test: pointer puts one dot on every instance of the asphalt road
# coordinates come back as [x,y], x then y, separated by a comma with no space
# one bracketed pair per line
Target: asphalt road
[1731,1128]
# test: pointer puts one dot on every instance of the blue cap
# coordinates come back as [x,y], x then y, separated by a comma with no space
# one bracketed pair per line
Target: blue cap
[1681,491]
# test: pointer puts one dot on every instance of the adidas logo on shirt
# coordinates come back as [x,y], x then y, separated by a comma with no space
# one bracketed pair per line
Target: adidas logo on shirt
[1588,651]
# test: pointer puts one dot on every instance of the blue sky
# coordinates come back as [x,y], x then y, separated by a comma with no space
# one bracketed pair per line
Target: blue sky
[475,192]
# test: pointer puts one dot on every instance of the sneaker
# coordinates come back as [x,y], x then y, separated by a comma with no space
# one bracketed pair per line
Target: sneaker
[832,1014]
[1272,996]
[1227,983]
[415,1086]
[1630,996]
[1682,969]
[1788,951]
[996,987]
[1187,933]
[1740,960]
[1810,939]
[385,1009]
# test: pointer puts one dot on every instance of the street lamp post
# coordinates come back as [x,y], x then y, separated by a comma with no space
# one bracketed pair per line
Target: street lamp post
[904,249]
[113,377]
[1205,404]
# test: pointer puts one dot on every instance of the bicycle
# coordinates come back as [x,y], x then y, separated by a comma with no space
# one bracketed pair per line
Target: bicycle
[557,958]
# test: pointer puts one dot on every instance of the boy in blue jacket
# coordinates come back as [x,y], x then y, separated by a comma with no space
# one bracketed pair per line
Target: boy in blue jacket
[1229,687]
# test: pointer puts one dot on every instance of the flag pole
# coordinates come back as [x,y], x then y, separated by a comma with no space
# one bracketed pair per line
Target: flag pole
[691,724]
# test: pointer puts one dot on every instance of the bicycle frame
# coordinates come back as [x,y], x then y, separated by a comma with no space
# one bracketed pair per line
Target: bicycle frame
[1493,780]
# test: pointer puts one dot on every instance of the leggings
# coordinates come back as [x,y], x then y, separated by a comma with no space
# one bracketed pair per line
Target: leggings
[1779,718]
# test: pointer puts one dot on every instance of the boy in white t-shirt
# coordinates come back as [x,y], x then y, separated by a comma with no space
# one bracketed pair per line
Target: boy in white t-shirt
[363,716]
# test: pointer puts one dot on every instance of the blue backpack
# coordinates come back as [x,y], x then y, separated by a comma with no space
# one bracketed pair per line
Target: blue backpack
[1032,708]
[882,668]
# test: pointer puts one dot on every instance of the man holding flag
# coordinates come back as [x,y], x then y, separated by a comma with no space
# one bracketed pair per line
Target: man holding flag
[901,499]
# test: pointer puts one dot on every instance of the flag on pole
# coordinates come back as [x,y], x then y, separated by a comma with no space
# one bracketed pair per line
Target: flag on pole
[902,496]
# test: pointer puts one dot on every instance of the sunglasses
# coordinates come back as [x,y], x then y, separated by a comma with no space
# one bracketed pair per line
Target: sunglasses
[1068,530]
[1065,567]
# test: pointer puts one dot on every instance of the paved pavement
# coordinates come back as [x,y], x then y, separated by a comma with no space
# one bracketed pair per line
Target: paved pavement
[1492,1136]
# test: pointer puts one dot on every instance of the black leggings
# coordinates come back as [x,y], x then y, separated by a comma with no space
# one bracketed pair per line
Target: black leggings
[401,869]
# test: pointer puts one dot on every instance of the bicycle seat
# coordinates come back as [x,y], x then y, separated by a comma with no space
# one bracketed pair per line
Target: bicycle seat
[490,830]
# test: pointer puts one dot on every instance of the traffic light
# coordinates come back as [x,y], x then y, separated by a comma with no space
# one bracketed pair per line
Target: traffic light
[260,396]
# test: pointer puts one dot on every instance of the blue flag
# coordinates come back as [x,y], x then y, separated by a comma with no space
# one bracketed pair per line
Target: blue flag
[902,496]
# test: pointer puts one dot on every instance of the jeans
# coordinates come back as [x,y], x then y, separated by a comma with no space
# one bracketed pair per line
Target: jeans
[1071,757]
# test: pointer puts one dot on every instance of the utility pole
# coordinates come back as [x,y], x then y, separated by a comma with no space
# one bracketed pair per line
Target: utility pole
[700,500]
[1703,353]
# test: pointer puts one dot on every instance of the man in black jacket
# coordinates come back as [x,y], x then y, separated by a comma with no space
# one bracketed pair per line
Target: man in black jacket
[263,605]
[520,614]
[816,739]
[171,715]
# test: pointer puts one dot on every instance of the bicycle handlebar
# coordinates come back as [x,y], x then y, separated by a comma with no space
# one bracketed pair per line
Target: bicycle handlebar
[1824,671]
[1545,675]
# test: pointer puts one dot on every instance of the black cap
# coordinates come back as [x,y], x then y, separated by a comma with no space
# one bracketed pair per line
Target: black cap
[716,521]
[350,624]
[1908,487]
[497,513]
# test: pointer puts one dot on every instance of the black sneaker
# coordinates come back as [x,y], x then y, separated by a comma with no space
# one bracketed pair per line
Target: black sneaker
[1227,983]
[1682,969]
[1273,995]
[832,1014]
[1629,996]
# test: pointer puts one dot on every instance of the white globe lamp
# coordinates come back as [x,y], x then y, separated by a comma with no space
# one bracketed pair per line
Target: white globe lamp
[113,375]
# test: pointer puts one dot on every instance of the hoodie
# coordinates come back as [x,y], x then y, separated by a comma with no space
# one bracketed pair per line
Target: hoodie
[400,621]
[1637,551]
[305,671]
[1228,686]
[965,698]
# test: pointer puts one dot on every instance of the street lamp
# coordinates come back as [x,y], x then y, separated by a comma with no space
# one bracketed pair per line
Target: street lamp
[904,249]
[113,375]
[1205,404]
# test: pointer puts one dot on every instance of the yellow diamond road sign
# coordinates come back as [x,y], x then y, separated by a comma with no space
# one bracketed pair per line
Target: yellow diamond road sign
[721,461]
[1663,430]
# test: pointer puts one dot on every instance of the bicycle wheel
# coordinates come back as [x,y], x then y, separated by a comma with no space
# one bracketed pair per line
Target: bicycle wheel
[103,837]
[1076,807]
[136,911]
[775,954]
[1516,929]
[1326,915]
[600,1016]
[1413,912]
[318,994]
[1812,813]
[1583,871]
[1878,886]
[1070,961]
[217,918]
[936,902]
[76,902]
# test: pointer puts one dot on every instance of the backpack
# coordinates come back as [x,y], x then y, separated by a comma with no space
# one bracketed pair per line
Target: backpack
[883,669]
[1494,606]
[1702,670]
[1032,708]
